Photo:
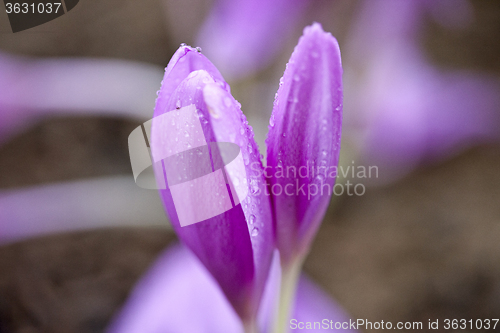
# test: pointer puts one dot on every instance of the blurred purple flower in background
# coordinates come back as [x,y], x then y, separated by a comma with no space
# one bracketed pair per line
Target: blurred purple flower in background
[242,36]
[33,89]
[404,110]
[36,89]
[178,294]
[236,246]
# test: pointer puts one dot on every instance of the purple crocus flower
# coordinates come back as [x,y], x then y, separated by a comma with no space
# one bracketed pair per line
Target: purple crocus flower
[236,246]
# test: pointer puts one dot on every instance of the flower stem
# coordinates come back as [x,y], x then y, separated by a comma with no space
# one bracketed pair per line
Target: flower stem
[290,273]
[250,327]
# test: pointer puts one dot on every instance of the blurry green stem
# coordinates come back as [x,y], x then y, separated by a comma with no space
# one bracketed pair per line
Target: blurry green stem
[290,273]
[250,327]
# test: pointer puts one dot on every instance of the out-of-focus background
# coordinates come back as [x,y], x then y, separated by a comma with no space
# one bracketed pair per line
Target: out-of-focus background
[421,103]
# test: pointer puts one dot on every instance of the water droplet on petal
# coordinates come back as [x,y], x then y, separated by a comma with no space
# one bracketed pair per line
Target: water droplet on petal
[198,49]
[255,231]
[254,189]
[178,104]
[213,114]
[271,121]
[183,44]
[252,218]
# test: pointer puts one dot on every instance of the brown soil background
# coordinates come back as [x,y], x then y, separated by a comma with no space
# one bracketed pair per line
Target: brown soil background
[426,247]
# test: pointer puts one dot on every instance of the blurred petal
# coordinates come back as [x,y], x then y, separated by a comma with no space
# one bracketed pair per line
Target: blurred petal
[241,36]
[79,205]
[313,305]
[304,131]
[434,115]
[179,295]
[236,245]
[35,88]
[408,111]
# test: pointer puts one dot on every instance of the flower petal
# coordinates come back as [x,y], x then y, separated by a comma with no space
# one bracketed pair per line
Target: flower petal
[32,89]
[77,205]
[179,295]
[304,134]
[184,61]
[236,245]
[407,111]
[313,305]
[242,36]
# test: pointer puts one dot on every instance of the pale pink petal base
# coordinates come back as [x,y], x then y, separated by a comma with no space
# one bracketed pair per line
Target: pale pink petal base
[179,295]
